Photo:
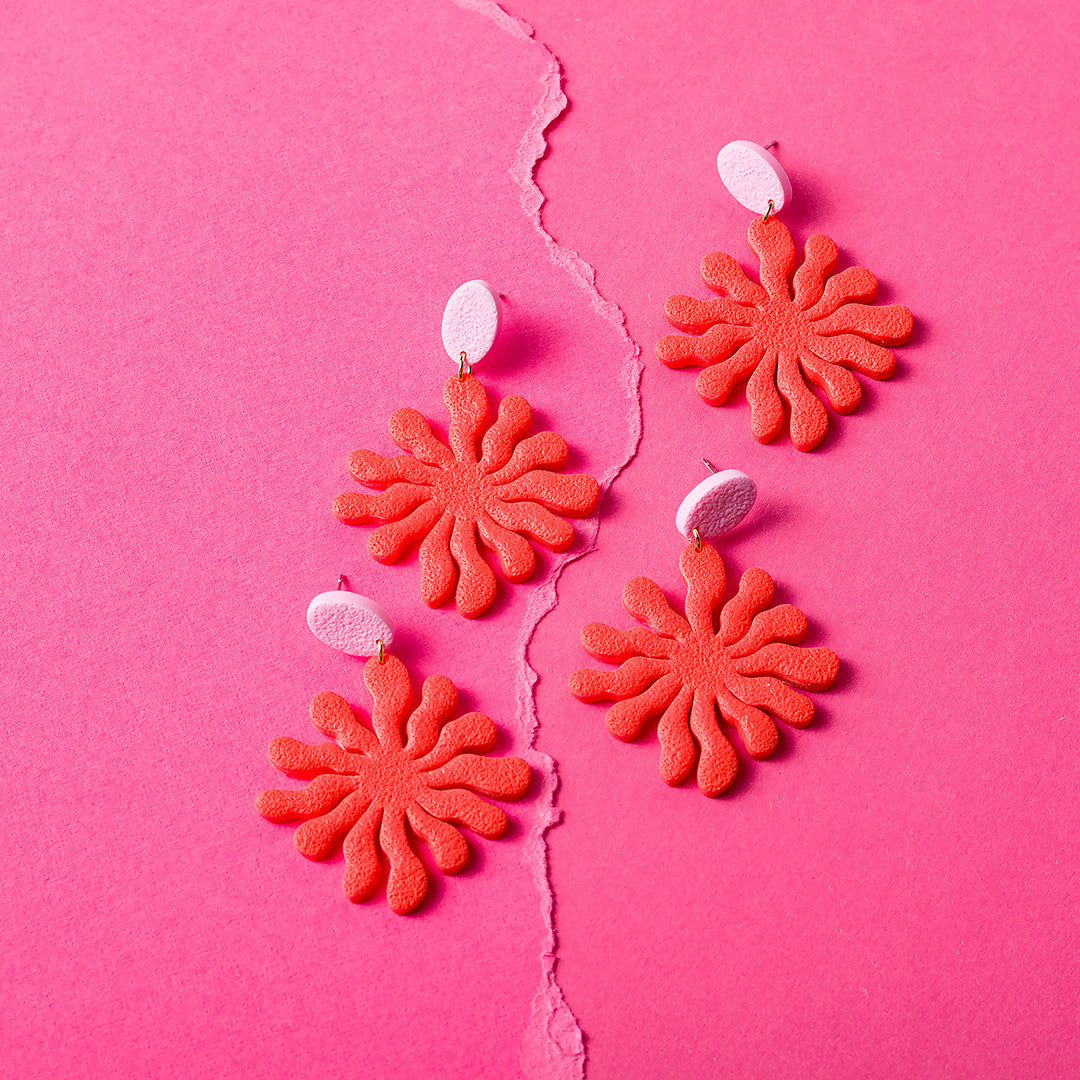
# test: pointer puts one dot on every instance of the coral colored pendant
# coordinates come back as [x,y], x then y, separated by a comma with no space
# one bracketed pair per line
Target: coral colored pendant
[508,492]
[686,669]
[368,783]
[796,329]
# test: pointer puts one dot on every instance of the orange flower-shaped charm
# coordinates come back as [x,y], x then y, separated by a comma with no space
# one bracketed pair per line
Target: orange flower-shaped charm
[445,495]
[684,670]
[366,785]
[781,336]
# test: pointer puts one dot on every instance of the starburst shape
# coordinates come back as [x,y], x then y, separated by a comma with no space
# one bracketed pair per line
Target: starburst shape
[782,337]
[445,495]
[684,670]
[367,784]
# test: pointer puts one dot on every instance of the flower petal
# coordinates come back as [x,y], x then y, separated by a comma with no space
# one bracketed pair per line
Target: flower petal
[757,731]
[574,495]
[448,846]
[715,382]
[809,421]
[723,274]
[407,883]
[645,600]
[754,595]
[855,283]
[607,643]
[457,804]
[375,471]
[716,344]
[502,778]
[766,412]
[627,681]
[515,416]
[703,572]
[533,521]
[781,623]
[388,542]
[855,352]
[840,386]
[315,838]
[780,699]
[437,570]
[820,262]
[362,869]
[297,759]
[472,731]
[322,794]
[625,719]
[389,685]
[544,450]
[696,316]
[771,242]
[889,324]
[679,351]
[354,507]
[410,431]
[717,763]
[333,716]
[466,402]
[515,553]
[476,580]
[676,746]
[438,699]
[809,669]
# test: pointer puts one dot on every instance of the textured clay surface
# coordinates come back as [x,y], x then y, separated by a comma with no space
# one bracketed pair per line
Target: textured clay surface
[785,334]
[368,783]
[753,176]
[716,505]
[684,670]
[471,321]
[349,622]
[443,496]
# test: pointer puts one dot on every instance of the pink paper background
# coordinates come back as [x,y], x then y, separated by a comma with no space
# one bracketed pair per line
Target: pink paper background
[228,234]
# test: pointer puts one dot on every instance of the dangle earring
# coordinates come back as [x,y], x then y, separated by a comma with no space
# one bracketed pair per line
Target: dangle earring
[813,328]
[686,669]
[443,495]
[410,765]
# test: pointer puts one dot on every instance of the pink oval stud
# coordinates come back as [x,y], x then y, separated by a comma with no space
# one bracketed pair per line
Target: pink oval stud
[753,176]
[354,624]
[716,505]
[471,322]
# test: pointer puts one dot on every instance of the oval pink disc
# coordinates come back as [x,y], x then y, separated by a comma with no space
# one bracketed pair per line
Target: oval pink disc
[716,505]
[349,622]
[471,321]
[753,176]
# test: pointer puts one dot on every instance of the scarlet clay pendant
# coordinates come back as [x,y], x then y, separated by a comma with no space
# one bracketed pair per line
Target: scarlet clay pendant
[416,764]
[796,329]
[687,670]
[492,482]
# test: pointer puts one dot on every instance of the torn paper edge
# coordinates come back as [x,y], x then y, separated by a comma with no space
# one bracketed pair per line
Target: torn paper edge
[553,1046]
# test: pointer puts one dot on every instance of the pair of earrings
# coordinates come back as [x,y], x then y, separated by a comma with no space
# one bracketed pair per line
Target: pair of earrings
[794,329]
[797,327]
[417,771]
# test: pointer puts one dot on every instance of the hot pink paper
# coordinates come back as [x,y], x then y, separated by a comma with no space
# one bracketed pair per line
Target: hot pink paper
[228,237]
[894,893]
